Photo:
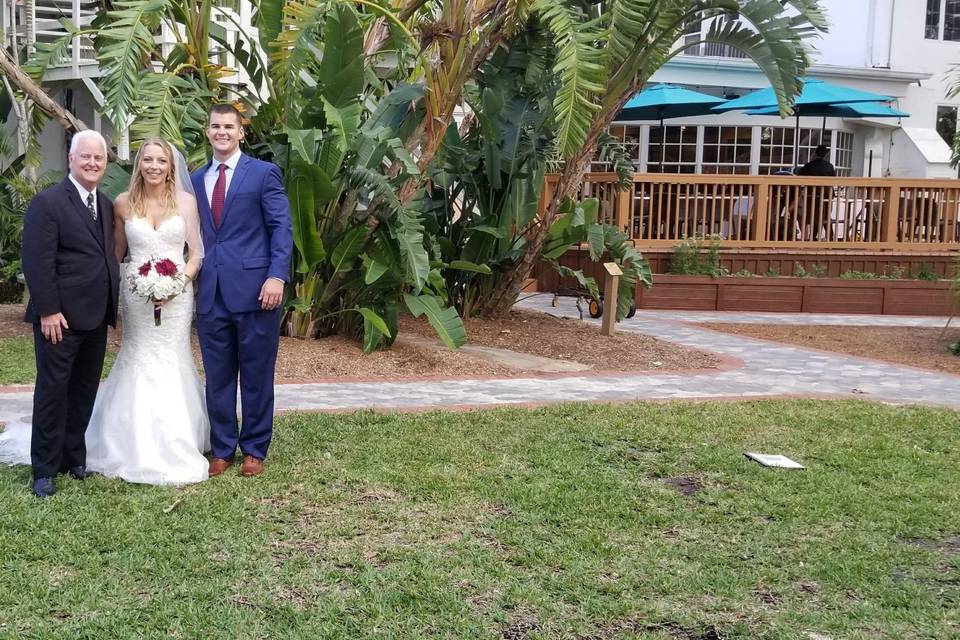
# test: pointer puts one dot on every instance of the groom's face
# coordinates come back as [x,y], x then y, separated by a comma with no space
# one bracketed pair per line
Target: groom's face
[224,133]
[88,161]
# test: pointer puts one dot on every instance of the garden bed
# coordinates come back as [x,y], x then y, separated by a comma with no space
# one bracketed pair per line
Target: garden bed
[792,294]
[923,347]
[521,331]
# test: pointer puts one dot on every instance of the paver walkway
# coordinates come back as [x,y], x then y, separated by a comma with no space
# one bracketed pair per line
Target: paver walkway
[768,369]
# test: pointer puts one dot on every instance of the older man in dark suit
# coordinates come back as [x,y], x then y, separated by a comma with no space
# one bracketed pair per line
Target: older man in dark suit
[73,277]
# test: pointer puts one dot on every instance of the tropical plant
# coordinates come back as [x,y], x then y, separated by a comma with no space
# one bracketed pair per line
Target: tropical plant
[17,187]
[607,51]
[489,175]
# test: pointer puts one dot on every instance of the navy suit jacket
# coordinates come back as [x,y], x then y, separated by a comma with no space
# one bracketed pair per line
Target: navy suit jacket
[254,241]
[68,259]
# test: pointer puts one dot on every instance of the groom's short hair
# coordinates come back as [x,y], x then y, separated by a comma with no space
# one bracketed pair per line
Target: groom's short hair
[224,109]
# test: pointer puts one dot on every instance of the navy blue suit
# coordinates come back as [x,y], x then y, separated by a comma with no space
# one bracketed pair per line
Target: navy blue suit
[70,268]
[238,338]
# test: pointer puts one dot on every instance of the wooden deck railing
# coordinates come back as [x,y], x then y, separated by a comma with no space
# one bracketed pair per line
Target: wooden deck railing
[795,212]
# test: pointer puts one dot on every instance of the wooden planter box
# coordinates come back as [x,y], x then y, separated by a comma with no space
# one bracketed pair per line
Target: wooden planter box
[788,294]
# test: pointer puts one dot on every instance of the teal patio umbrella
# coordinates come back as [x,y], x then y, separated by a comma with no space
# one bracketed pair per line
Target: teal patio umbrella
[664,101]
[851,110]
[816,94]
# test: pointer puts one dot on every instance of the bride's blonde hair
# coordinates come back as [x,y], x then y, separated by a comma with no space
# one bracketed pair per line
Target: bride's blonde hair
[168,198]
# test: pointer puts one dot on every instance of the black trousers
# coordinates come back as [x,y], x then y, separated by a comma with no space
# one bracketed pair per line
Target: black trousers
[68,374]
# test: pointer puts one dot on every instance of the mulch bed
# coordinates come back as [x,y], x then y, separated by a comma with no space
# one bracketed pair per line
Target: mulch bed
[914,346]
[523,331]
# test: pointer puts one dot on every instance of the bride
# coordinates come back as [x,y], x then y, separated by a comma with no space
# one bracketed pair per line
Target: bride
[149,423]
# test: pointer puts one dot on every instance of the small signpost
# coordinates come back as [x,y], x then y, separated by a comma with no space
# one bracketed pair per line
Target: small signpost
[610,287]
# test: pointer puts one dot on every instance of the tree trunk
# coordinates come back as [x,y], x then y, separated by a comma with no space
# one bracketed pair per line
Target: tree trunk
[508,288]
[505,293]
[26,84]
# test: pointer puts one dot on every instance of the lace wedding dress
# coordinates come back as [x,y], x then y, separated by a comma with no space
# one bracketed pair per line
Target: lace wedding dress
[149,423]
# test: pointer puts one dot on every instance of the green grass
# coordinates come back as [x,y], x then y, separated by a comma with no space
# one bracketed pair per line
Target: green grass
[547,523]
[18,365]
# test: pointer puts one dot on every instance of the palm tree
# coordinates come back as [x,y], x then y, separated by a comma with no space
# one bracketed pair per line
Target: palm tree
[608,50]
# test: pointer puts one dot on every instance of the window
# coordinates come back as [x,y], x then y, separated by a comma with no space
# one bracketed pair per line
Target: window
[691,33]
[727,149]
[947,123]
[675,154]
[694,30]
[942,20]
[776,147]
[843,159]
[629,137]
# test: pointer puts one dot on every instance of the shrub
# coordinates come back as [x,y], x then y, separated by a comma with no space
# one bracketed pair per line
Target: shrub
[895,272]
[816,270]
[925,272]
[858,275]
[690,258]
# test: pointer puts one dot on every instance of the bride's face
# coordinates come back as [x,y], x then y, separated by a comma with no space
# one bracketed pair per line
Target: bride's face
[154,165]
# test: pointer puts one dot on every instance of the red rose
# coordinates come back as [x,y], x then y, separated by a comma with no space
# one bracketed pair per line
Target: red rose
[145,268]
[166,267]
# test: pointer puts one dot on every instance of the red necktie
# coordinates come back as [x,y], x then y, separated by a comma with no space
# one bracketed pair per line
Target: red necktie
[219,195]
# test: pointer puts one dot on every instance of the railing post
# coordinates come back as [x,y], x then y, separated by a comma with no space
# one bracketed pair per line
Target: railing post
[624,206]
[761,213]
[891,214]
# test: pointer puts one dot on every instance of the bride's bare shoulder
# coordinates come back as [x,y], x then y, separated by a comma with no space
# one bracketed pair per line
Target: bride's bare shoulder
[121,204]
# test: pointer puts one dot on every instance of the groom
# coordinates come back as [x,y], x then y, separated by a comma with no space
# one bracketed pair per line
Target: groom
[73,278]
[248,241]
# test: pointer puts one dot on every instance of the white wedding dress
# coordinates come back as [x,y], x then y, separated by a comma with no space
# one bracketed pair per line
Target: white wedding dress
[149,423]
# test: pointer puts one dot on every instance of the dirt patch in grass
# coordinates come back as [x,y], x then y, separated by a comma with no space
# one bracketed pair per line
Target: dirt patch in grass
[950,546]
[521,626]
[670,630]
[914,346]
[522,331]
[684,485]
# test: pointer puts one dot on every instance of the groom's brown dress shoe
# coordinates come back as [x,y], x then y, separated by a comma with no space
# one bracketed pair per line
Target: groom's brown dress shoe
[218,466]
[251,466]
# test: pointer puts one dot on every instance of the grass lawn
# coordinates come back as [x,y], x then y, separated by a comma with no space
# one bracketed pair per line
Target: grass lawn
[563,522]
[18,365]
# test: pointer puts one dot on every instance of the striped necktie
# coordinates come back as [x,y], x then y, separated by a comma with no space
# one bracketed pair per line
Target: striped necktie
[92,209]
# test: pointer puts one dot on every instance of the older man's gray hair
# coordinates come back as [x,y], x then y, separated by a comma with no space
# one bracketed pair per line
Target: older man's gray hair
[87,134]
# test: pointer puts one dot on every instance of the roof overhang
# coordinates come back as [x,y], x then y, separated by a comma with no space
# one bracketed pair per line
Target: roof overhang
[745,74]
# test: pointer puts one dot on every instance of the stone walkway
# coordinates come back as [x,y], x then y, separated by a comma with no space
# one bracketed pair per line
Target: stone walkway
[766,369]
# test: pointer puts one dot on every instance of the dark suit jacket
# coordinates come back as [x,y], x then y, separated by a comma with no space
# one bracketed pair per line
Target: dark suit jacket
[68,259]
[254,240]
[817,167]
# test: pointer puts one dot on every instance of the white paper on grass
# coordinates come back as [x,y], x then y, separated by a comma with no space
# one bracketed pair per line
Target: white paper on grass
[774,460]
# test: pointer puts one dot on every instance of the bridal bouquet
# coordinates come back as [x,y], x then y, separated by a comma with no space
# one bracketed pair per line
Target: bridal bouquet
[155,280]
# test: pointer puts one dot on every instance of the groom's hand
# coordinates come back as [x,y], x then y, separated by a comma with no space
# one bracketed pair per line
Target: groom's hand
[271,293]
[52,327]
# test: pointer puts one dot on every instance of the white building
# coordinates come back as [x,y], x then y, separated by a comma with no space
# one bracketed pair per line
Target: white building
[889,47]
[899,48]
[74,84]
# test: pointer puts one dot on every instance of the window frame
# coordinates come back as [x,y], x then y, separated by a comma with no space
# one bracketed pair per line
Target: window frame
[941,14]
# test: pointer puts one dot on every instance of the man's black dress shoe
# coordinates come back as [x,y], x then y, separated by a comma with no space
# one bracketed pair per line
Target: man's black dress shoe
[43,487]
[79,473]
